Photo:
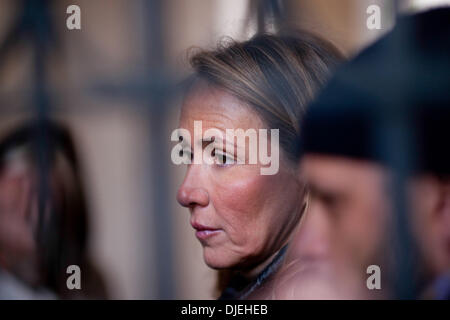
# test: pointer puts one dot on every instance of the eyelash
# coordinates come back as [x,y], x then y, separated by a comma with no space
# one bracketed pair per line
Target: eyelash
[187,152]
[225,157]
[227,160]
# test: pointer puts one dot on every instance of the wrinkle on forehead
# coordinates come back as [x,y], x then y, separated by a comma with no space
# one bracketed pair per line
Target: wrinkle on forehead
[217,108]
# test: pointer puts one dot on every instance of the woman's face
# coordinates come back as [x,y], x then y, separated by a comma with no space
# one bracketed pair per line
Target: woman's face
[241,217]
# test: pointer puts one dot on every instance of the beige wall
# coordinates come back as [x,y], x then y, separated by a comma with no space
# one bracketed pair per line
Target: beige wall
[343,22]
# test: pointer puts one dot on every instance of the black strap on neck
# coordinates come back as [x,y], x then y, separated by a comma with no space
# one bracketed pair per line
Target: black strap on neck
[236,291]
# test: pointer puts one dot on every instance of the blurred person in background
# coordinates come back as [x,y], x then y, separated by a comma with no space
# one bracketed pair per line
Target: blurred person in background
[37,246]
[243,219]
[403,78]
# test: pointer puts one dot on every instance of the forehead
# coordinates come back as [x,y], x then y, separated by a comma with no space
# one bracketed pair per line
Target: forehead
[332,173]
[217,108]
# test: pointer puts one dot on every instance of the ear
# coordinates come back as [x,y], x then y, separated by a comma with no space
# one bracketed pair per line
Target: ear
[440,205]
[441,217]
[437,196]
[445,209]
[431,221]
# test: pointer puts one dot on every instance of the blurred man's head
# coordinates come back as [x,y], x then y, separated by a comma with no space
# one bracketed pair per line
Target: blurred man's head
[352,196]
[399,87]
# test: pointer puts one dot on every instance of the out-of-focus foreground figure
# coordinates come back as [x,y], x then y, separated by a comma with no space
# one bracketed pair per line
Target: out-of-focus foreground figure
[384,116]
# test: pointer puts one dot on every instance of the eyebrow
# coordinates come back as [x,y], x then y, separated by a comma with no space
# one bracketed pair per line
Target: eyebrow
[225,143]
[323,192]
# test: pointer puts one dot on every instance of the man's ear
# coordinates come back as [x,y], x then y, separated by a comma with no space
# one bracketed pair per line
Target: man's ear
[439,198]
[445,208]
[431,221]
[442,220]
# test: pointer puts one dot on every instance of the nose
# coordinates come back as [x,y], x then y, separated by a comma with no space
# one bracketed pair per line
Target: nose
[192,191]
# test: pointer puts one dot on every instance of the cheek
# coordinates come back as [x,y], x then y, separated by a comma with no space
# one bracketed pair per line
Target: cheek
[240,204]
[368,225]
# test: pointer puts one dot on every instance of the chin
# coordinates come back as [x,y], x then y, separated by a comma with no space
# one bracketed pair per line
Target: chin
[217,259]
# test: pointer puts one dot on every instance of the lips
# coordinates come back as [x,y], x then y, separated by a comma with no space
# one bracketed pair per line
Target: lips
[204,232]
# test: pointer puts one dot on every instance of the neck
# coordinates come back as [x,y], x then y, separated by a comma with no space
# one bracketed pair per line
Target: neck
[254,272]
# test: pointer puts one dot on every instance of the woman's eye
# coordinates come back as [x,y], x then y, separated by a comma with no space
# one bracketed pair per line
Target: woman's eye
[186,155]
[222,158]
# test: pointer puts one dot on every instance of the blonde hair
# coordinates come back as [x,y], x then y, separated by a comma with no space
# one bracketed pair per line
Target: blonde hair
[276,75]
